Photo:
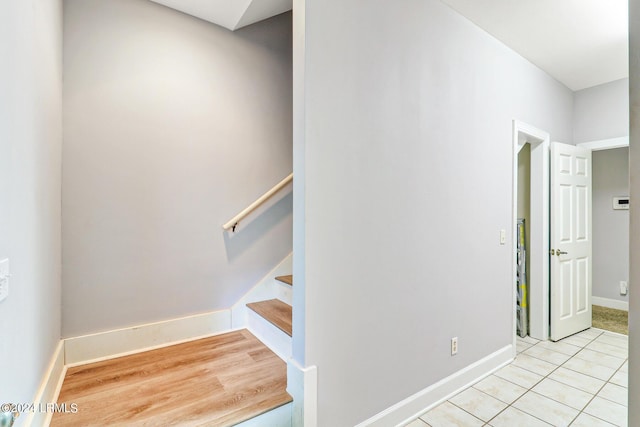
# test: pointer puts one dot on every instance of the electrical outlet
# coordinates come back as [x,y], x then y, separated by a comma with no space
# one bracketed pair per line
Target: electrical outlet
[624,288]
[4,279]
[454,345]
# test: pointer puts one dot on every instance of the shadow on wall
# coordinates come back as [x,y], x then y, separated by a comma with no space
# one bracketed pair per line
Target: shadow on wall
[276,40]
[257,225]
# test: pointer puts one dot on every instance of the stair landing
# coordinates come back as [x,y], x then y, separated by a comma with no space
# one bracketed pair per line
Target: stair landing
[276,312]
[221,380]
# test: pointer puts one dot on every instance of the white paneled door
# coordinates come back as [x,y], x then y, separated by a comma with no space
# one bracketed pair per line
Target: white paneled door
[571,239]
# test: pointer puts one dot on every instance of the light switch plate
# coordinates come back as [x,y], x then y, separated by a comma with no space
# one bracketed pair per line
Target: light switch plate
[4,279]
[503,236]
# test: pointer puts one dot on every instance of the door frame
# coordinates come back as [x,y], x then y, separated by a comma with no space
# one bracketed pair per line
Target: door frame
[539,268]
[538,238]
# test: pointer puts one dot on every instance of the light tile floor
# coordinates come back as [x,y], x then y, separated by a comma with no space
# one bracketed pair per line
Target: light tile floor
[578,381]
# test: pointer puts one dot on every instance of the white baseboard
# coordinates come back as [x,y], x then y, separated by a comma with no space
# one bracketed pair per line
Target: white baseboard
[120,342]
[266,288]
[49,389]
[610,303]
[302,385]
[416,405]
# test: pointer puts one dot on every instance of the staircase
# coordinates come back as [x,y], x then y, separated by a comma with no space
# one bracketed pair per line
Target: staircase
[271,319]
[246,382]
[276,312]
[266,312]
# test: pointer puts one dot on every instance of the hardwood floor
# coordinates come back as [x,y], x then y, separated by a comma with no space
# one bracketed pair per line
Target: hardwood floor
[216,381]
[276,312]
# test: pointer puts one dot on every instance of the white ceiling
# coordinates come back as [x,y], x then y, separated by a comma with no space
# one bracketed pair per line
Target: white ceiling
[581,43]
[231,14]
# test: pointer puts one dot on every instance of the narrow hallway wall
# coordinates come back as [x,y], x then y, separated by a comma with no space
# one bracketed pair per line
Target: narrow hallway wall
[407,156]
[30,145]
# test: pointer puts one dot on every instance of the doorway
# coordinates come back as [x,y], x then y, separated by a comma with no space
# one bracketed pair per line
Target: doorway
[536,203]
[610,236]
[532,166]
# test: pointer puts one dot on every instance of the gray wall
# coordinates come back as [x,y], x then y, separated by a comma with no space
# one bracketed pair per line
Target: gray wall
[172,126]
[30,143]
[407,161]
[601,112]
[610,227]
[634,228]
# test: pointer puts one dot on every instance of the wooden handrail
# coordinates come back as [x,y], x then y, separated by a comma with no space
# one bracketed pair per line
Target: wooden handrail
[233,222]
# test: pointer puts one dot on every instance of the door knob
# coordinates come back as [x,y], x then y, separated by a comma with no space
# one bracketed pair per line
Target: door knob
[559,252]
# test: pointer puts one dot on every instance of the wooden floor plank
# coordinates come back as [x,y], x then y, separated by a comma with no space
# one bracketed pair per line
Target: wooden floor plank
[286,279]
[216,381]
[276,312]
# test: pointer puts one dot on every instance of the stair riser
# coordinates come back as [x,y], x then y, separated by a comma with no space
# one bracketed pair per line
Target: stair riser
[278,341]
[284,292]
[279,417]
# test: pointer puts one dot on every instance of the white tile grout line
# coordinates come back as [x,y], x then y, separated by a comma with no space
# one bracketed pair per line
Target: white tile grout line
[605,382]
[545,377]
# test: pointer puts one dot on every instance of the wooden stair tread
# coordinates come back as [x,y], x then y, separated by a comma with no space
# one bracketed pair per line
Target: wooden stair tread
[286,279]
[221,380]
[276,312]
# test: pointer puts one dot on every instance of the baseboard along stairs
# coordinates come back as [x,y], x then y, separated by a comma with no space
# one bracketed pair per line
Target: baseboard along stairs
[237,378]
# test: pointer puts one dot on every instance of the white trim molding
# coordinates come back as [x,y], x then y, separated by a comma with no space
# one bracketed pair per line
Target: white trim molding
[80,350]
[539,141]
[610,303]
[606,144]
[120,342]
[302,385]
[49,389]
[414,406]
